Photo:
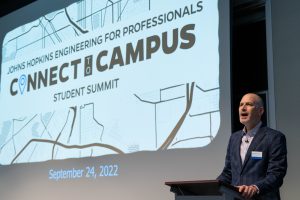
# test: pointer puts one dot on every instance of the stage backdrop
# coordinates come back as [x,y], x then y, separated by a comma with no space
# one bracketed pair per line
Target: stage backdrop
[110,99]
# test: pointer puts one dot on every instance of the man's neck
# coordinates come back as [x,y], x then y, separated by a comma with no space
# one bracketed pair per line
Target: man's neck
[251,127]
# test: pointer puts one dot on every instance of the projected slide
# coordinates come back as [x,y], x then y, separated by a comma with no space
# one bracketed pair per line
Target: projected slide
[110,77]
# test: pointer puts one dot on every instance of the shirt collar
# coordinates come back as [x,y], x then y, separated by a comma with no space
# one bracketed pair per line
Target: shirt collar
[253,131]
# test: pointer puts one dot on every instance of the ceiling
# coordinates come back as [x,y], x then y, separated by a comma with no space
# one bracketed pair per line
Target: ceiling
[8,6]
[244,10]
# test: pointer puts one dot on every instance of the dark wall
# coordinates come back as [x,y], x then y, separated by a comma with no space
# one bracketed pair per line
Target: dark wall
[286,66]
[249,64]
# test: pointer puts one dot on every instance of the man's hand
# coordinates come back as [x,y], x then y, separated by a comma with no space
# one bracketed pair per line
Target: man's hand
[247,191]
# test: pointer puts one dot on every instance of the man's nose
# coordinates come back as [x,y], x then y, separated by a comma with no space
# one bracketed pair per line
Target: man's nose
[243,107]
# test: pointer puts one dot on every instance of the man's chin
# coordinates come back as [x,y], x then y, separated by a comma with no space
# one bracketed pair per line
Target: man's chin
[244,121]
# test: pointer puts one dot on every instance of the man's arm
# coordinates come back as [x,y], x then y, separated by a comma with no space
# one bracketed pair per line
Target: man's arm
[277,165]
[225,176]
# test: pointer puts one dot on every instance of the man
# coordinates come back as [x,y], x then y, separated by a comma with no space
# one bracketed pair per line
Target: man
[256,160]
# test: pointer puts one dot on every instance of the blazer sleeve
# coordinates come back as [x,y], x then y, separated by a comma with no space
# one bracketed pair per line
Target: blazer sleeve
[277,164]
[226,175]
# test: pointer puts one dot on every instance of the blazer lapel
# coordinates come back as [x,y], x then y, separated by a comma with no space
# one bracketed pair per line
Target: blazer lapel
[256,140]
[237,145]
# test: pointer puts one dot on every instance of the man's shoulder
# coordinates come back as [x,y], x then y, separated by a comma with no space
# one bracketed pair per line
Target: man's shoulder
[262,130]
[271,132]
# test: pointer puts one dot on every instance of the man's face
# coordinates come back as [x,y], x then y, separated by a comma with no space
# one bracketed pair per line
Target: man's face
[249,111]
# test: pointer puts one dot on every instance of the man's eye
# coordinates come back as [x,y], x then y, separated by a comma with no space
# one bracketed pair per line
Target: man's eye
[246,104]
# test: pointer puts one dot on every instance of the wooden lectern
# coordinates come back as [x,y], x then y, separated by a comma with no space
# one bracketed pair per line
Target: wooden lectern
[204,190]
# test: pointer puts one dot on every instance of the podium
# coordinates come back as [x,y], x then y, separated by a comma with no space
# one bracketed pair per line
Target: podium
[204,190]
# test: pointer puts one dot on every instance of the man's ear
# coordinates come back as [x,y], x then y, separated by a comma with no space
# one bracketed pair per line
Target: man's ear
[261,111]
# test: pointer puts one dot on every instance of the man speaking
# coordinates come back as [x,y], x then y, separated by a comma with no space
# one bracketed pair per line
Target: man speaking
[256,160]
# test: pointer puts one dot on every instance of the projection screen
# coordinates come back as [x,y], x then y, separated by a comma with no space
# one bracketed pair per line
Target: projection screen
[110,99]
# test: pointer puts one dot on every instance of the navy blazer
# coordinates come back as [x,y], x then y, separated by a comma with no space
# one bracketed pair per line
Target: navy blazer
[266,173]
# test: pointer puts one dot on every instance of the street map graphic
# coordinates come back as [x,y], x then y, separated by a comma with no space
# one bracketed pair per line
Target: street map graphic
[110,77]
